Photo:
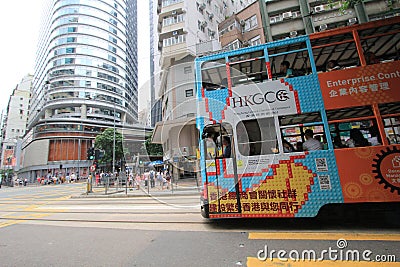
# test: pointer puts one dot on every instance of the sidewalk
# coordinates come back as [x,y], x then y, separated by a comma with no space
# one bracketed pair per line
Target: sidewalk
[183,187]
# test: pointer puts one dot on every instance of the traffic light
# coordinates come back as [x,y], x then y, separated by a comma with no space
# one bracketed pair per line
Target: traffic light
[90,153]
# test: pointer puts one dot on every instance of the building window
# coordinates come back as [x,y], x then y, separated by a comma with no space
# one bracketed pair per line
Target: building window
[112,48]
[189,92]
[70,50]
[201,25]
[170,2]
[113,30]
[187,70]
[21,112]
[112,58]
[255,41]
[69,61]
[112,39]
[174,40]
[233,45]
[113,21]
[250,23]
[173,20]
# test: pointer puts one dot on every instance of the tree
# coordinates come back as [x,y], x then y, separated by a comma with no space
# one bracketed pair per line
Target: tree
[351,3]
[105,141]
[151,149]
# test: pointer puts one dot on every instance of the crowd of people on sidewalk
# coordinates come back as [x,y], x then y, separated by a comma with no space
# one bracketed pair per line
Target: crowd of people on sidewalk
[150,177]
[158,179]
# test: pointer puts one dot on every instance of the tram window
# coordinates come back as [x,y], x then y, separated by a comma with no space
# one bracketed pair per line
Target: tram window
[256,137]
[214,75]
[353,127]
[248,68]
[340,48]
[349,113]
[217,138]
[391,121]
[294,126]
[296,55]
[382,41]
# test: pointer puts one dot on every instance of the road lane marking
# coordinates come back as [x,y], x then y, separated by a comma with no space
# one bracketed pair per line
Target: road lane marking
[45,198]
[254,262]
[324,236]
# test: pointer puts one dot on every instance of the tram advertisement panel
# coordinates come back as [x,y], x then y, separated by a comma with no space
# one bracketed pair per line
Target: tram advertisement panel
[263,100]
[360,86]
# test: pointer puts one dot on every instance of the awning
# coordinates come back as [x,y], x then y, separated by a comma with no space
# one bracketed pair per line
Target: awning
[162,128]
[156,163]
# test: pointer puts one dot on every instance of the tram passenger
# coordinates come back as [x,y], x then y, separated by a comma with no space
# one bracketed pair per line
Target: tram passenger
[299,146]
[337,142]
[370,58]
[226,143]
[211,146]
[287,147]
[332,65]
[375,139]
[285,69]
[311,143]
[357,139]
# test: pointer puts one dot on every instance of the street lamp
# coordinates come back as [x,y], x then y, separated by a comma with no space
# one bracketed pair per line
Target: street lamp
[113,162]
[113,167]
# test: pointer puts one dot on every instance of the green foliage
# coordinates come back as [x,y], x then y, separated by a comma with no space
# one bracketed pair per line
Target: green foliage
[346,4]
[151,149]
[105,140]
[6,172]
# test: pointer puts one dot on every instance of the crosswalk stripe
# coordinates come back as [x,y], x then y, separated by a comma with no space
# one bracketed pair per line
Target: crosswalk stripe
[324,236]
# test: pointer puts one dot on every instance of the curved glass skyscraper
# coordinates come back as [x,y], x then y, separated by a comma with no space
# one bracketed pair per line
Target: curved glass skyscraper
[85,79]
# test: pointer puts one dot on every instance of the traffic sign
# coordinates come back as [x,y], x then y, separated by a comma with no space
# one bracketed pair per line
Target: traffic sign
[92,168]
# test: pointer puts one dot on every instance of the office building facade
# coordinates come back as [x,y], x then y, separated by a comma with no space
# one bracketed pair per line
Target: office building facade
[14,124]
[85,81]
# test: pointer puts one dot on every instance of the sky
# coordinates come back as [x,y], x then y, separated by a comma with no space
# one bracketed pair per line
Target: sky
[20,36]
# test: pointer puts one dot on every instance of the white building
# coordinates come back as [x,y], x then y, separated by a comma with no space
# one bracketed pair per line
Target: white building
[186,29]
[14,125]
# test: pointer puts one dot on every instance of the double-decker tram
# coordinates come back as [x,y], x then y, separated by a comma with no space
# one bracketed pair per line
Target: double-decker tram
[293,125]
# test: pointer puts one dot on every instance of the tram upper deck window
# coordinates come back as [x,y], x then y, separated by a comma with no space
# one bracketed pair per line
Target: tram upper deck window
[382,41]
[256,137]
[391,121]
[289,60]
[213,75]
[340,48]
[248,68]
